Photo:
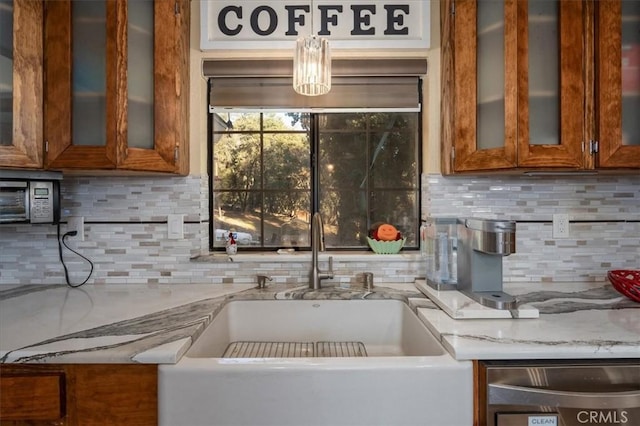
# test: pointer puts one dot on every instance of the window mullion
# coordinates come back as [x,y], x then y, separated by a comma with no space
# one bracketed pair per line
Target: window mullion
[262,182]
[315,162]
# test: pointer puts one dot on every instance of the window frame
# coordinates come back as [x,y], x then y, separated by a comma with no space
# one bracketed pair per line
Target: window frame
[315,189]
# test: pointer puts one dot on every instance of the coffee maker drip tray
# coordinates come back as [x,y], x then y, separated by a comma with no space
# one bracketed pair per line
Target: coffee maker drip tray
[460,306]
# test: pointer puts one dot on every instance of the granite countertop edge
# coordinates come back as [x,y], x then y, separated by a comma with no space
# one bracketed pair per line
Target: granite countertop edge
[160,335]
[160,322]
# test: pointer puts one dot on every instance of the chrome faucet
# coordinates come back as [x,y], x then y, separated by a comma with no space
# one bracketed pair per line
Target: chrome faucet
[317,245]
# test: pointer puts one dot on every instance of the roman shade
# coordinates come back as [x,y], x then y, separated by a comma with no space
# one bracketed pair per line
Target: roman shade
[357,86]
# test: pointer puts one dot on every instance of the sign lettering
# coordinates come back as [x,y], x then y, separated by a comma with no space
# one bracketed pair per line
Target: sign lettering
[276,24]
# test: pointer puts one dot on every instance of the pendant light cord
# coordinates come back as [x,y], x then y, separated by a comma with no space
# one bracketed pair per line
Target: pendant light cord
[312,32]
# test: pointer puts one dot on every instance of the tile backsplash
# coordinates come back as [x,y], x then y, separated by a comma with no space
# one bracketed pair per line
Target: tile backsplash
[126,232]
[604,214]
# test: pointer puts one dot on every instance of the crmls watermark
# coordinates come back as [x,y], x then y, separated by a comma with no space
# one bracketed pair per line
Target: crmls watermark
[601,417]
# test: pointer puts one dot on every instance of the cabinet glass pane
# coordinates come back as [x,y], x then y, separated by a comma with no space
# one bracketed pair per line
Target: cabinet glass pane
[490,91]
[630,72]
[89,41]
[544,73]
[140,74]
[6,72]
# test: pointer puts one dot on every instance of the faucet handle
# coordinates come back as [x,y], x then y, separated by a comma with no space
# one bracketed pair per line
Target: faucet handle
[262,280]
[330,270]
[367,280]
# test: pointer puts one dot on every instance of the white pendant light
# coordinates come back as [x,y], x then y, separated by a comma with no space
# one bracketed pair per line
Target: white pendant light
[312,65]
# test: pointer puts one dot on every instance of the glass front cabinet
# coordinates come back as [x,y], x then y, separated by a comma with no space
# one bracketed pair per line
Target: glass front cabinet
[21,60]
[540,85]
[117,85]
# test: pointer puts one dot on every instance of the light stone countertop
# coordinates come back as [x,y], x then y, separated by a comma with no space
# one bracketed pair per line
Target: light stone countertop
[577,321]
[129,323]
[156,324]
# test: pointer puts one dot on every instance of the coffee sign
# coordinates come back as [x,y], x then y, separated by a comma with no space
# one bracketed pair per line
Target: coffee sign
[356,24]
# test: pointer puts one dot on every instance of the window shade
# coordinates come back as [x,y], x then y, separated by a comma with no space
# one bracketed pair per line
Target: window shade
[347,94]
[357,85]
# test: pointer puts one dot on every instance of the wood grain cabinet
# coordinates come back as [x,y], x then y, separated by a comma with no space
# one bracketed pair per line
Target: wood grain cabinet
[531,85]
[21,84]
[116,90]
[78,394]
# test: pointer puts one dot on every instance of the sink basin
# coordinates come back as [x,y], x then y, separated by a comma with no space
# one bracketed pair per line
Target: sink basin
[400,375]
[384,327]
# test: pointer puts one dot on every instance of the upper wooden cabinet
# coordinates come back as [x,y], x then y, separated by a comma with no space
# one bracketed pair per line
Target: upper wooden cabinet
[539,85]
[21,60]
[617,52]
[117,85]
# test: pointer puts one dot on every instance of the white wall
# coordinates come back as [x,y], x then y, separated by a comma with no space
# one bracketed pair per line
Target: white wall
[198,92]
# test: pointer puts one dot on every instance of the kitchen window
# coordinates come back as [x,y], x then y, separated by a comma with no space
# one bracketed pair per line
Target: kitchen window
[272,166]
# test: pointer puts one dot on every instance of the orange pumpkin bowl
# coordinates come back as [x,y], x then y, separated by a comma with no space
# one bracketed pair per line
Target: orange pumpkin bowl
[386,247]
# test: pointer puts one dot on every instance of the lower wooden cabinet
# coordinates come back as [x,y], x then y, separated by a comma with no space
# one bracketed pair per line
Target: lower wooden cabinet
[78,394]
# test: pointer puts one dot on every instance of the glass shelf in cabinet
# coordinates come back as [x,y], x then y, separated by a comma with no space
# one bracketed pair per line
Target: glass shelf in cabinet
[490,99]
[543,19]
[140,30]
[88,95]
[139,100]
[498,26]
[631,19]
[543,94]
[90,21]
[6,70]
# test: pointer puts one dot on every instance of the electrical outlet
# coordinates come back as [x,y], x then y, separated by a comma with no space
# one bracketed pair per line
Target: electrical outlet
[175,226]
[560,226]
[76,223]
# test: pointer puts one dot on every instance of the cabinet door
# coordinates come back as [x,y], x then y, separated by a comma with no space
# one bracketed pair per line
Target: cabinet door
[81,91]
[484,94]
[618,83]
[21,58]
[116,85]
[551,89]
[154,133]
[518,85]
[79,394]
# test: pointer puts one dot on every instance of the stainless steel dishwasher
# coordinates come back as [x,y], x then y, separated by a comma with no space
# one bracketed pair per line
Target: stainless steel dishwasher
[560,393]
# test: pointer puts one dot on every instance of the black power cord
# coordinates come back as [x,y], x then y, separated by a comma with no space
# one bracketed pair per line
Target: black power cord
[61,242]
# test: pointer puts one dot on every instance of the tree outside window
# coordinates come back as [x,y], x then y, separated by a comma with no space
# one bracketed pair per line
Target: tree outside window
[266,184]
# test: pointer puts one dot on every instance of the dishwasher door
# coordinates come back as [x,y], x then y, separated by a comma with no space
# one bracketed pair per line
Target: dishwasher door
[562,393]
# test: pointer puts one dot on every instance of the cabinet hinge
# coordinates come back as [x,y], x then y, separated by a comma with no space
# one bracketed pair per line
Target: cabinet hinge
[175,154]
[593,147]
[46,146]
[453,154]
[453,8]
[176,8]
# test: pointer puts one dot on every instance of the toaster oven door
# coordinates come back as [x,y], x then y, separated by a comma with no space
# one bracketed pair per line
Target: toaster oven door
[14,201]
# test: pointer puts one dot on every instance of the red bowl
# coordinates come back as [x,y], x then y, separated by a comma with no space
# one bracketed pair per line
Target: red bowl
[626,282]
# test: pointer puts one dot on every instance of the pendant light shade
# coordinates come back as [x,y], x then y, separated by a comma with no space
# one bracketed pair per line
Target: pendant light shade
[312,66]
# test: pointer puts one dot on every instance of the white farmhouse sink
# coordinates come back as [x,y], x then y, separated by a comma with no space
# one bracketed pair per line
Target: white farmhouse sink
[406,377]
[385,327]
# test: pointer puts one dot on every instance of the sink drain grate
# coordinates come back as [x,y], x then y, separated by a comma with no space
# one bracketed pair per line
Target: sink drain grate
[244,349]
[340,349]
[269,350]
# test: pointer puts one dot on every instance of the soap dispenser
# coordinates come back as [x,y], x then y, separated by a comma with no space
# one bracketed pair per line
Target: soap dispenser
[232,245]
